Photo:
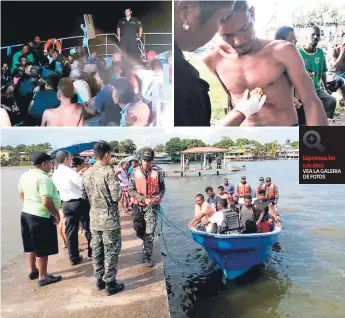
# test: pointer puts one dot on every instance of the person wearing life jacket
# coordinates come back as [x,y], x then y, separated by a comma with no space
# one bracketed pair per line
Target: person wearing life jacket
[243,188]
[271,190]
[259,185]
[146,188]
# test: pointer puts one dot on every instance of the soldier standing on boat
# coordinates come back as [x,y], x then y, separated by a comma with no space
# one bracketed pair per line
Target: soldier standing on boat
[101,188]
[243,188]
[271,191]
[146,188]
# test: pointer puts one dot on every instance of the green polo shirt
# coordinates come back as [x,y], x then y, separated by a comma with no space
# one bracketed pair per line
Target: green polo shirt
[15,60]
[36,184]
[315,64]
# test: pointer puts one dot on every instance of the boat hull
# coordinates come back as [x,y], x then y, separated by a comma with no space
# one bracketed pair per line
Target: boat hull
[237,253]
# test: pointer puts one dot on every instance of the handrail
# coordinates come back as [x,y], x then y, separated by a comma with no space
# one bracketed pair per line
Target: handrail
[143,44]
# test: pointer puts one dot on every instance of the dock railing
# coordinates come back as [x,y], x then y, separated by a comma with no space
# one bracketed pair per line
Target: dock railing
[105,44]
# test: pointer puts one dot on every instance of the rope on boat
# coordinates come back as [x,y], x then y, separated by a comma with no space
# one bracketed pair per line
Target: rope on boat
[167,222]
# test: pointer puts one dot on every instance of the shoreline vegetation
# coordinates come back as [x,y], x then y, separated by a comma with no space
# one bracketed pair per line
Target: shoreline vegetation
[240,150]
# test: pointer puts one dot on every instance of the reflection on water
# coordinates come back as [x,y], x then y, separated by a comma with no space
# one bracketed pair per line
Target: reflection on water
[305,275]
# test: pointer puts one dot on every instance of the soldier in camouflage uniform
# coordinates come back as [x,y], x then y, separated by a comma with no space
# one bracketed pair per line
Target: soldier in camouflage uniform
[101,189]
[146,188]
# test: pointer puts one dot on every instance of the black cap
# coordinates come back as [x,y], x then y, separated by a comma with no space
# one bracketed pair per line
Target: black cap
[147,154]
[40,157]
[261,179]
[243,177]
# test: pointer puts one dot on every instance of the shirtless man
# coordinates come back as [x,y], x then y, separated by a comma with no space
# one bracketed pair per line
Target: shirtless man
[338,63]
[67,114]
[204,213]
[241,61]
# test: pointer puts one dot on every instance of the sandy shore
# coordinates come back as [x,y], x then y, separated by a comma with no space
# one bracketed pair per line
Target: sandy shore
[76,295]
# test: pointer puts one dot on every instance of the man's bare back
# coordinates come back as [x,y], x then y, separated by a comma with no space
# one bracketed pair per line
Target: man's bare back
[71,115]
[261,68]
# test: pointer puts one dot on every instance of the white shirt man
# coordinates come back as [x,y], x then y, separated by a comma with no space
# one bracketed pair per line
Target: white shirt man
[68,182]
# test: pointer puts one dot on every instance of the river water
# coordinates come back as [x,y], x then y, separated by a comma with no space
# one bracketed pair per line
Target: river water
[305,276]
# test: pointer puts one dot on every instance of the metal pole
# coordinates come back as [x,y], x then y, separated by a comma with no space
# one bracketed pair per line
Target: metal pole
[106,45]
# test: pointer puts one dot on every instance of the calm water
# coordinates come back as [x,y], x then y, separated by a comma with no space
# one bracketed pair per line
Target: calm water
[305,276]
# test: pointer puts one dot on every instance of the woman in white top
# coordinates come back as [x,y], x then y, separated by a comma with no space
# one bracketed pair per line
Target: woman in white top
[122,174]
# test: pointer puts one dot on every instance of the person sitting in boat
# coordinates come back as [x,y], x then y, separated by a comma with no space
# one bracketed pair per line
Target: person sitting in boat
[243,188]
[212,198]
[217,221]
[222,195]
[236,202]
[259,185]
[203,214]
[247,216]
[228,188]
[271,191]
[262,218]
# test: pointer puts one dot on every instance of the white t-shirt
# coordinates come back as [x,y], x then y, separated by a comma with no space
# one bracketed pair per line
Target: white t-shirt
[217,218]
[82,88]
[4,118]
[68,182]
[123,177]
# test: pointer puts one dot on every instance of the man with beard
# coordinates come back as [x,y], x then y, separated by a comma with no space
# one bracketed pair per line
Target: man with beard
[315,64]
[241,61]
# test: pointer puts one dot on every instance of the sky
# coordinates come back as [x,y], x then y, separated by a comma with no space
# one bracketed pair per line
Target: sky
[62,137]
[58,19]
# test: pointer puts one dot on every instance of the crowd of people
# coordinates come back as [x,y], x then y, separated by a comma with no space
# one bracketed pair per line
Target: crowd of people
[234,209]
[44,87]
[287,77]
[79,195]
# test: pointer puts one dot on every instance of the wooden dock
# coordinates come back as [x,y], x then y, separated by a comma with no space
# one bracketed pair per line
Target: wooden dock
[195,172]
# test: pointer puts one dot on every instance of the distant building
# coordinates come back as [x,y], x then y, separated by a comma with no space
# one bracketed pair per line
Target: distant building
[240,153]
[287,152]
[5,154]
[163,158]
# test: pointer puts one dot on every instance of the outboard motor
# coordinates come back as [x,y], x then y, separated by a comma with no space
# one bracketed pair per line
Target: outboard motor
[232,223]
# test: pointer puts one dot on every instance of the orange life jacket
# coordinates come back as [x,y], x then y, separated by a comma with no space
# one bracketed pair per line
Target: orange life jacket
[271,194]
[146,187]
[243,189]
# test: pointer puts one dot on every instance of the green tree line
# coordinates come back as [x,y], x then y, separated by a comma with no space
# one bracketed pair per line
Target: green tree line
[171,147]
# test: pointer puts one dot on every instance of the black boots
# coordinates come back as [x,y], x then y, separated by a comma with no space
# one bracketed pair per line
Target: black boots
[113,288]
[100,284]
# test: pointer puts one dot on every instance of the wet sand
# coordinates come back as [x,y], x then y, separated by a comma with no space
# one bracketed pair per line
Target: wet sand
[76,295]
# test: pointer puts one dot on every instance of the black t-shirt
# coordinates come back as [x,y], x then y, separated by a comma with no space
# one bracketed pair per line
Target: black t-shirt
[263,205]
[192,103]
[129,29]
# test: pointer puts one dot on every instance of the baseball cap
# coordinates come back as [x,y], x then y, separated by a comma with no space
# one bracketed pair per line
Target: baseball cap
[40,157]
[243,178]
[147,154]
[261,179]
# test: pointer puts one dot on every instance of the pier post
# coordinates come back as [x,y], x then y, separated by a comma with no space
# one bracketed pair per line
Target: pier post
[199,174]
[181,173]
[217,172]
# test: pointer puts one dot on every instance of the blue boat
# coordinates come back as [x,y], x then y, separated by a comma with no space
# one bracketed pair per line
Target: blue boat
[237,253]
